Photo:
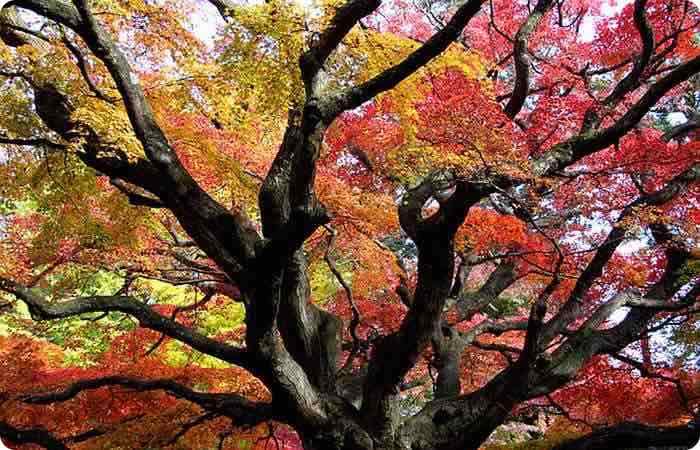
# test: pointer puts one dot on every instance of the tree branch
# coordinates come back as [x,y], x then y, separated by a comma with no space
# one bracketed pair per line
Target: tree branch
[244,411]
[521,58]
[37,436]
[83,67]
[566,153]
[56,10]
[633,79]
[225,7]
[226,236]
[586,342]
[637,435]
[355,96]
[574,304]
[678,132]
[355,320]
[500,279]
[44,310]
[394,356]
[346,16]
[32,142]
[135,198]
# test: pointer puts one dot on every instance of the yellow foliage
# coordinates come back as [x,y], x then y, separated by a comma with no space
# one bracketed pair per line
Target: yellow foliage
[644,214]
[111,124]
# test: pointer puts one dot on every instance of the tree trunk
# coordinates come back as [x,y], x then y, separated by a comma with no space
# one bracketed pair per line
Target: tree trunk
[344,435]
[636,435]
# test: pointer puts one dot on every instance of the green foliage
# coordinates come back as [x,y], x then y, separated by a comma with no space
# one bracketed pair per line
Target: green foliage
[222,319]
[155,291]
[323,283]
[83,341]
[689,271]
[599,84]
[16,116]
[505,306]
[404,248]
[263,45]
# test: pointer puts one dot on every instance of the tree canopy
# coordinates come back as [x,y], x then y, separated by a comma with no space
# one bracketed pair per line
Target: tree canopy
[348,224]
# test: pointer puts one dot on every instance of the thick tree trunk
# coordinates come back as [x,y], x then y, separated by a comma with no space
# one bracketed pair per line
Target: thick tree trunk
[636,435]
[342,433]
[337,440]
[310,333]
[445,427]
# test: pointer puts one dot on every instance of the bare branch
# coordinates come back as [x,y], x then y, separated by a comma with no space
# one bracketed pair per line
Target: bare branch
[355,320]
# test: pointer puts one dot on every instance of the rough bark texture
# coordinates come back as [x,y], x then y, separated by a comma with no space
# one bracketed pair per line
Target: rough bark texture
[636,435]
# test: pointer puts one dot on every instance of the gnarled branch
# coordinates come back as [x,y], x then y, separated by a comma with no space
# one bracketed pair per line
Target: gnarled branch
[244,411]
[42,309]
[386,80]
[636,435]
[572,150]
[521,58]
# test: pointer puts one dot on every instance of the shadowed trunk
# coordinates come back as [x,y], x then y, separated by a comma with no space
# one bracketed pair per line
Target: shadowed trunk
[636,435]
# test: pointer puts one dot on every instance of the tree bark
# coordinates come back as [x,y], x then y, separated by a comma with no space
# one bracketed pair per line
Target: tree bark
[633,435]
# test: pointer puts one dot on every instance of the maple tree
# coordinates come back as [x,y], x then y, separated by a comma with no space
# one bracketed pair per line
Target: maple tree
[348,225]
